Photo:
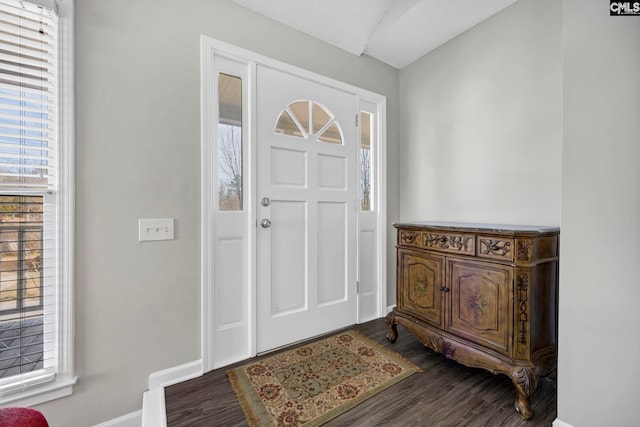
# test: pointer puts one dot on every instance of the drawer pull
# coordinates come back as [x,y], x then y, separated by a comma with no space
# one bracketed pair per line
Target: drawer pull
[444,289]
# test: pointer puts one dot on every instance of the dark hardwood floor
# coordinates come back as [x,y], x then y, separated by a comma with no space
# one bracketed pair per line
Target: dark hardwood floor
[444,394]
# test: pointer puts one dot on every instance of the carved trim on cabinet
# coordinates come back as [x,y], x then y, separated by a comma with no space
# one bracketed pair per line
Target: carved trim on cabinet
[524,250]
[523,316]
[447,242]
[526,379]
[442,346]
[495,248]
[409,237]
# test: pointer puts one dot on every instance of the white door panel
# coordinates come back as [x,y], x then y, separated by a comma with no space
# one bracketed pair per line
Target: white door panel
[306,258]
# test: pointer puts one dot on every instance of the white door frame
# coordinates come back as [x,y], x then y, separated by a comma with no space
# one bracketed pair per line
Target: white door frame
[213,53]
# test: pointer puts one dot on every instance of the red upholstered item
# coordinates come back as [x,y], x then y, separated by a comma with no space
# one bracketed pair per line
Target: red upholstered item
[22,417]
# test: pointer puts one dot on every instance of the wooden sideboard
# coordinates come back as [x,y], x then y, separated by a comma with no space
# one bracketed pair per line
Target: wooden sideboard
[483,295]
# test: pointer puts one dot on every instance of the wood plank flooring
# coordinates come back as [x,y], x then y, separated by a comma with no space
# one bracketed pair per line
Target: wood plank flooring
[445,394]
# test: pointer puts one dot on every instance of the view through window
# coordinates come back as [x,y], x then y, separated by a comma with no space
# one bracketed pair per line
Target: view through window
[21,280]
[230,143]
[28,194]
[366,177]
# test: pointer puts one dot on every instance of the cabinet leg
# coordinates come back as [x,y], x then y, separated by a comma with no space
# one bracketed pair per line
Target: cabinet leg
[392,335]
[525,380]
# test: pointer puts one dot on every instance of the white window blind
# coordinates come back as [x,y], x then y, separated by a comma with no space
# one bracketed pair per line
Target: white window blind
[27,96]
[28,195]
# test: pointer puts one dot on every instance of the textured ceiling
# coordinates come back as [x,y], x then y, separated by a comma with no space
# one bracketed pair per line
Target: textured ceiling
[396,32]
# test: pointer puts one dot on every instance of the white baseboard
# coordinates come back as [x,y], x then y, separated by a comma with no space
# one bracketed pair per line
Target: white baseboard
[175,374]
[133,419]
[154,412]
[559,423]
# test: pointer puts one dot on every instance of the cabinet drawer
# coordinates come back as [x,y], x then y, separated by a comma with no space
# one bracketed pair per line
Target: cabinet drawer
[495,248]
[456,243]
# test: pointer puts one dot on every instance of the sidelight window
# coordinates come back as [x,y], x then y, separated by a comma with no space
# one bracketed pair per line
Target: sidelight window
[230,165]
[366,159]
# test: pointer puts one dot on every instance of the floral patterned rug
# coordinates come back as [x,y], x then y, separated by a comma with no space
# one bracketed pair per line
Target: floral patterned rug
[311,384]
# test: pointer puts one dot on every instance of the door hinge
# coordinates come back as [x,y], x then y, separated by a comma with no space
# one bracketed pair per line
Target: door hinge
[357,286]
[356,120]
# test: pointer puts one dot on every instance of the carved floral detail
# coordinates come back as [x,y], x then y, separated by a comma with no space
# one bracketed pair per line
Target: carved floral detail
[447,242]
[442,346]
[525,379]
[409,237]
[523,316]
[495,247]
[524,250]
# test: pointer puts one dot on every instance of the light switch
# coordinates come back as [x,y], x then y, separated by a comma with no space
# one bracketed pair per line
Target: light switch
[155,229]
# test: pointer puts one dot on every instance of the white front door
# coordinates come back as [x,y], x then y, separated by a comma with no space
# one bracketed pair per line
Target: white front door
[306,209]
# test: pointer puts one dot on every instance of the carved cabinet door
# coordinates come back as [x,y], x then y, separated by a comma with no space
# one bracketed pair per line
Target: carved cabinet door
[480,303]
[420,285]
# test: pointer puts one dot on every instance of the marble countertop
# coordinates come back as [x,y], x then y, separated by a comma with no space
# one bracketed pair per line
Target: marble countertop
[478,226]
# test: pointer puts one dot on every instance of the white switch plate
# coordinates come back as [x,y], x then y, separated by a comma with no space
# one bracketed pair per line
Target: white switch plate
[155,229]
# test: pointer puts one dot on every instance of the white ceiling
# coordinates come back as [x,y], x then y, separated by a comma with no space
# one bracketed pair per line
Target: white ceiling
[396,32]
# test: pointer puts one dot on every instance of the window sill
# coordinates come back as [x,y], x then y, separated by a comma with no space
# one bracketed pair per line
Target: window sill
[41,394]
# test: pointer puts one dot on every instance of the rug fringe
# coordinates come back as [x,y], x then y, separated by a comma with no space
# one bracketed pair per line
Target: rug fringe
[250,415]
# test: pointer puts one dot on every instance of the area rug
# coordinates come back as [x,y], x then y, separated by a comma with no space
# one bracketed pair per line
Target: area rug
[311,384]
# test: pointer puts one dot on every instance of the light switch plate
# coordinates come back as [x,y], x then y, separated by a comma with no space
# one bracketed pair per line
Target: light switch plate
[155,229]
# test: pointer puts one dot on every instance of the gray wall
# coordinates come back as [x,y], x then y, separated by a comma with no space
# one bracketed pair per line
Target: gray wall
[480,122]
[599,373]
[138,156]
[550,89]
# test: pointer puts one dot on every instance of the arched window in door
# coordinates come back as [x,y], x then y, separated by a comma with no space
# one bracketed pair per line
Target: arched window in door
[311,121]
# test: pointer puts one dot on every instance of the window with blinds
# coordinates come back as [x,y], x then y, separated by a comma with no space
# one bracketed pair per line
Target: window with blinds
[28,194]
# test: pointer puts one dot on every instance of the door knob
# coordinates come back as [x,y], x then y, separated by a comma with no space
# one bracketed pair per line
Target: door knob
[265,223]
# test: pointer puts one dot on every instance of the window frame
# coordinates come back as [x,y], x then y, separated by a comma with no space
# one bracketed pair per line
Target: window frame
[49,387]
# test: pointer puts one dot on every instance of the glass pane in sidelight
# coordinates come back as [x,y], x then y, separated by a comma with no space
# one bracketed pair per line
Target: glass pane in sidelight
[230,186]
[366,158]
